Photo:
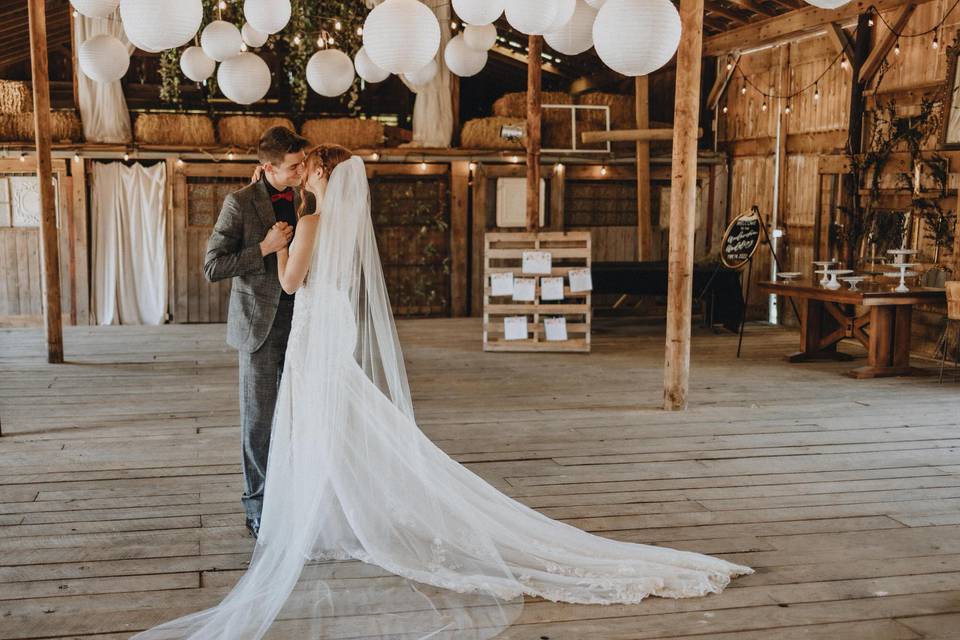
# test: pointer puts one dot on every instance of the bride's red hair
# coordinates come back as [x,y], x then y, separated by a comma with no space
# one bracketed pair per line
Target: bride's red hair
[326,156]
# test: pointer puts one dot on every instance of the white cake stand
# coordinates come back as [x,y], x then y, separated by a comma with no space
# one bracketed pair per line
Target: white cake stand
[853,281]
[824,266]
[833,273]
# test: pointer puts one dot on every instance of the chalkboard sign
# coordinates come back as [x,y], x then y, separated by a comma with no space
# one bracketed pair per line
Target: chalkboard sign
[741,239]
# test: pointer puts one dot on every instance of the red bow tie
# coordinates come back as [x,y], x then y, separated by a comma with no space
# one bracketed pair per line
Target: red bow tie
[283,195]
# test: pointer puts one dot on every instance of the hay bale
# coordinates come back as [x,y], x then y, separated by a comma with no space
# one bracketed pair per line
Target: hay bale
[484,133]
[555,126]
[15,97]
[245,131]
[622,114]
[18,127]
[174,129]
[353,133]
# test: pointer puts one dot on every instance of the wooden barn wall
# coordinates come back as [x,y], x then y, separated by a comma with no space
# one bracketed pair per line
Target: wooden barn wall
[813,137]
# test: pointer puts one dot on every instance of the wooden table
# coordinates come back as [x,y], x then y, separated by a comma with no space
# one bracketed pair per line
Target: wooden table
[875,315]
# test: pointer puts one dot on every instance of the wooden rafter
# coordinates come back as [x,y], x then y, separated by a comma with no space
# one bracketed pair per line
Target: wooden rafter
[887,41]
[839,40]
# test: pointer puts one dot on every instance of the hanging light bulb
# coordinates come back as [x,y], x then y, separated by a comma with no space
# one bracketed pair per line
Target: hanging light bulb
[787,109]
[423,165]
[729,65]
[222,5]
[843,62]
[180,162]
[75,13]
[896,48]
[725,109]
[603,170]
[331,41]
[870,21]
[126,156]
[76,157]
[763,107]
[338,25]
[559,167]
[230,156]
[296,40]
[359,31]
[320,41]
[23,157]
[816,92]
[374,156]
[743,89]
[935,44]
[453,25]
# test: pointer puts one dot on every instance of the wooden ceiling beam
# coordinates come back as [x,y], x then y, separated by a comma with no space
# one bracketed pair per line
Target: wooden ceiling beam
[882,48]
[839,40]
[795,23]
[752,5]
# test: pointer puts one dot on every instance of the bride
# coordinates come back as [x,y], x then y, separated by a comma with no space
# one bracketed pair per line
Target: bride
[368,529]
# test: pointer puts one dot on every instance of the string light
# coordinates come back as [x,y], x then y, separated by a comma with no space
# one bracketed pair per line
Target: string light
[222,5]
[935,44]
[338,25]
[320,42]
[76,157]
[763,107]
[816,92]
[896,48]
[603,170]
[453,26]
[374,156]
[359,31]
[126,156]
[23,157]
[230,156]
[843,62]
[870,22]
[725,108]
[296,39]
[472,167]
[180,163]
[786,109]
[559,167]
[423,165]
[743,89]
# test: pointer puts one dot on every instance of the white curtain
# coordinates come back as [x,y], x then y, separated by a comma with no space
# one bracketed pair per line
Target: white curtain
[103,109]
[129,249]
[433,108]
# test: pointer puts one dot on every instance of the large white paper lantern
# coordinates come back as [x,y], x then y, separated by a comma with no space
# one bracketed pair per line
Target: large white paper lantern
[536,17]
[330,72]
[196,64]
[95,8]
[244,78]
[636,37]
[103,58]
[577,35]
[423,76]
[596,4]
[221,40]
[478,11]
[252,37]
[366,69]
[565,11]
[401,36]
[462,59]
[155,26]
[480,37]
[828,4]
[267,16]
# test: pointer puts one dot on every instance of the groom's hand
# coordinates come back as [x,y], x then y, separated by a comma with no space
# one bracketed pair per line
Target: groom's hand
[277,238]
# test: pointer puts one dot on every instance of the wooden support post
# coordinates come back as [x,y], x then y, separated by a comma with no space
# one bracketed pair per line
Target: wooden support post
[533,132]
[459,231]
[49,248]
[683,203]
[644,229]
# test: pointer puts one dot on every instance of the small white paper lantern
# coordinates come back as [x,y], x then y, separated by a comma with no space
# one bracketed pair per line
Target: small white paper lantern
[577,35]
[196,64]
[366,69]
[533,17]
[596,4]
[478,11]
[252,37]
[480,37]
[267,16]
[462,59]
[423,76]
[95,8]
[401,36]
[330,72]
[154,26]
[828,4]
[103,58]
[636,37]
[244,78]
[221,40]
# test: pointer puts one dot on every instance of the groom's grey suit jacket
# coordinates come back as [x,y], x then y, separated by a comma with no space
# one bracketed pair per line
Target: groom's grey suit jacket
[233,251]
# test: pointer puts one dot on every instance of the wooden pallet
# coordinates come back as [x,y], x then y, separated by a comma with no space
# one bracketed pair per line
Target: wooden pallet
[503,253]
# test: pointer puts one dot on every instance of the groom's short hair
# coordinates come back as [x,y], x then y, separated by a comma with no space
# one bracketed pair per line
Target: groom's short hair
[277,142]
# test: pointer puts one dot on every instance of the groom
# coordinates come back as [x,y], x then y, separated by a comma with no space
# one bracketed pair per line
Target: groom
[256,222]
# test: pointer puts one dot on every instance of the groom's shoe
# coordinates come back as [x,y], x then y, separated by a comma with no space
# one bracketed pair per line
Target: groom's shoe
[253,526]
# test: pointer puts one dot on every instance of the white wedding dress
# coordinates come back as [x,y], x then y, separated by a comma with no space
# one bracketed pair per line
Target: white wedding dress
[371,531]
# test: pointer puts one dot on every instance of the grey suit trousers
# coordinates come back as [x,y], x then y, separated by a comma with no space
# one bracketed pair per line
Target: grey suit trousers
[260,373]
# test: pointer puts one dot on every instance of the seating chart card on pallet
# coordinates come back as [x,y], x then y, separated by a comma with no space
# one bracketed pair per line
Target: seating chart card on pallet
[551,321]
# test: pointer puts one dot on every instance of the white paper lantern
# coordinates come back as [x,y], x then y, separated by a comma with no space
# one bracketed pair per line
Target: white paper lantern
[481,37]
[244,78]
[423,76]
[828,4]
[577,35]
[330,72]
[103,58]
[636,37]
[401,36]
[252,37]
[366,69]
[196,64]
[536,17]
[95,8]
[478,11]
[565,11]
[154,26]
[221,40]
[462,59]
[267,16]
[596,4]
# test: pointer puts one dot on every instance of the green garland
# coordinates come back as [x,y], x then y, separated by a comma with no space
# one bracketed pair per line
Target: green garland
[170,77]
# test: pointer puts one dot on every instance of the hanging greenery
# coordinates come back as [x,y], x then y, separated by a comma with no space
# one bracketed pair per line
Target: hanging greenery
[170,77]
